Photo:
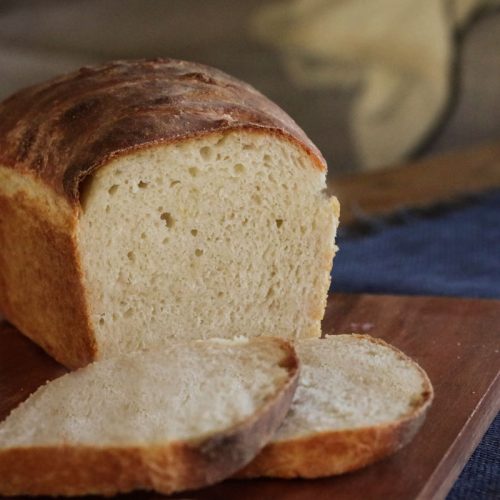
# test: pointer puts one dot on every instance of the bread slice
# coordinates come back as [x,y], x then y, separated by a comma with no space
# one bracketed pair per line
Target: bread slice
[358,401]
[142,201]
[178,418]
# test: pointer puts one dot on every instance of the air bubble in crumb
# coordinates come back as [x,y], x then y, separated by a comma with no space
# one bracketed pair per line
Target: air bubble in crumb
[206,153]
[173,183]
[101,321]
[131,256]
[142,184]
[129,312]
[198,252]
[169,220]
[194,232]
[239,168]
[193,171]
[279,223]
[113,189]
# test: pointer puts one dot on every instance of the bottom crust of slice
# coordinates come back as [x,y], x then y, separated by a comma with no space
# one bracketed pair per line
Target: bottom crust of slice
[332,453]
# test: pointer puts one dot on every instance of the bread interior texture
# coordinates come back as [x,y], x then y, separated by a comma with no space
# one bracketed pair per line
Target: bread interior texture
[151,397]
[225,235]
[350,382]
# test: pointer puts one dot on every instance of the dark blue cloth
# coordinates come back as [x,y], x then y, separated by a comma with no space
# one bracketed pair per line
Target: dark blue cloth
[454,251]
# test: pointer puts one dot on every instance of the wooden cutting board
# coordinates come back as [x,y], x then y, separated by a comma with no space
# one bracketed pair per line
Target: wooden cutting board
[457,341]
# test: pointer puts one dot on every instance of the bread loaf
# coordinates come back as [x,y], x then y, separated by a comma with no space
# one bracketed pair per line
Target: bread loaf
[149,200]
[169,419]
[359,400]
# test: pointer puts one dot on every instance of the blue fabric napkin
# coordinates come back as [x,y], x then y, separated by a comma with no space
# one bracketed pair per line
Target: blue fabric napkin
[452,251]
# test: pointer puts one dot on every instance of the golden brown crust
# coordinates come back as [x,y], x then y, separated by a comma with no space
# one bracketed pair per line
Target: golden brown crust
[331,453]
[64,129]
[177,466]
[41,289]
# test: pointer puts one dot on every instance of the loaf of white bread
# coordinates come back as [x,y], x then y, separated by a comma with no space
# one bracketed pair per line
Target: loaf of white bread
[151,200]
[147,208]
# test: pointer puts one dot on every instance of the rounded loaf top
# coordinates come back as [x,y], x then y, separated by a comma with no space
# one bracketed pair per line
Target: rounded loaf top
[63,129]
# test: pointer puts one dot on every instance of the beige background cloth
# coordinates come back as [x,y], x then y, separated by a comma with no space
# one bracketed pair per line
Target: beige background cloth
[399,53]
[39,39]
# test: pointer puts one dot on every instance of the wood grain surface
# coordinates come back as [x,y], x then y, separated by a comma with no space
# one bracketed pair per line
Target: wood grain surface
[457,341]
[441,178]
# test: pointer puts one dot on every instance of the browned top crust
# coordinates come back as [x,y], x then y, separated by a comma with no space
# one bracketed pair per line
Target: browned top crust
[62,130]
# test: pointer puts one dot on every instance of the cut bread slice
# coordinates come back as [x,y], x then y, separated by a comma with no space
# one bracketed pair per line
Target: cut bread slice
[167,420]
[358,401]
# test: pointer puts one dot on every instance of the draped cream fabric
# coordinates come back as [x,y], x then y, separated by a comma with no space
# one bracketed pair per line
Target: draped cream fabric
[397,53]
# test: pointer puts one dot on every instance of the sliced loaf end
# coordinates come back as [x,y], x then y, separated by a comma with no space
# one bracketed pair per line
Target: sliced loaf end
[359,400]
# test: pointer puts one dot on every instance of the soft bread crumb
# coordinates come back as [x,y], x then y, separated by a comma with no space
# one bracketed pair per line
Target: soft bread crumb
[220,236]
[350,382]
[182,392]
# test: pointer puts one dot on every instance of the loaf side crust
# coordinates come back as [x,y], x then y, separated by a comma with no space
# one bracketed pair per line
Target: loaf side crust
[332,453]
[41,290]
[177,466]
[64,129]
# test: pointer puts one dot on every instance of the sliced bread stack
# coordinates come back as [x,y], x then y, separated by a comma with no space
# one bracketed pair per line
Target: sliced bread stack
[196,412]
